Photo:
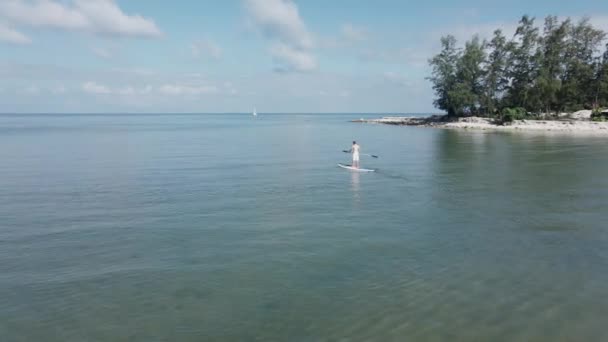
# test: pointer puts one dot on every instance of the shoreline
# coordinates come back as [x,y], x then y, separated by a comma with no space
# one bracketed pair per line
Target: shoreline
[479,123]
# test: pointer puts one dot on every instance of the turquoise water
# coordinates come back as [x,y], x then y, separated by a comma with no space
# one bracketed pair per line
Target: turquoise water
[229,228]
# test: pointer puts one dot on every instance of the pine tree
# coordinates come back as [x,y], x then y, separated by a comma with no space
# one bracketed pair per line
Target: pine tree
[522,62]
[562,69]
[444,74]
[468,92]
[495,80]
[577,82]
[551,52]
[601,94]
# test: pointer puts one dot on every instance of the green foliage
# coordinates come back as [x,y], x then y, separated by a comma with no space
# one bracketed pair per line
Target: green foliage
[579,78]
[444,74]
[599,114]
[457,76]
[469,75]
[601,91]
[522,63]
[573,107]
[509,115]
[495,80]
[558,69]
[551,51]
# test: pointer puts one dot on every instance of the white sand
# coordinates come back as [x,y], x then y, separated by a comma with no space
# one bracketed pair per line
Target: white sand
[543,125]
[487,124]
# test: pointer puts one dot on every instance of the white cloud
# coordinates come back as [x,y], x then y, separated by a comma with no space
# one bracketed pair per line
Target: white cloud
[230,89]
[60,89]
[422,47]
[145,90]
[102,17]
[343,93]
[414,57]
[12,36]
[206,47]
[94,88]
[280,22]
[354,34]
[102,52]
[128,90]
[348,36]
[106,17]
[34,90]
[600,22]
[397,78]
[132,91]
[484,31]
[97,89]
[289,58]
[42,13]
[177,89]
[280,19]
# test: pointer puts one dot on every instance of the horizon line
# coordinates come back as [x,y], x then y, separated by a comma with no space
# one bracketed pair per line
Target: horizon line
[209,113]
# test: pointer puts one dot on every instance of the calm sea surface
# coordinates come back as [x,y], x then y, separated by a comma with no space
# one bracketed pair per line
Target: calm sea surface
[230,228]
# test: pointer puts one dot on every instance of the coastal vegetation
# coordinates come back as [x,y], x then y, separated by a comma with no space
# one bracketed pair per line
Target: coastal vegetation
[538,72]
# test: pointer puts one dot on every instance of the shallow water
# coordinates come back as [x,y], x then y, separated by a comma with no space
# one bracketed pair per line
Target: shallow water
[225,227]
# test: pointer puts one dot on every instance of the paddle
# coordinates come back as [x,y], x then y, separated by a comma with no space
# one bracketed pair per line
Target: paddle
[365,154]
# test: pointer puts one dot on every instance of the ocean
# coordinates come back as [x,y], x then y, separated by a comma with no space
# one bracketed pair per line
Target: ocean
[232,228]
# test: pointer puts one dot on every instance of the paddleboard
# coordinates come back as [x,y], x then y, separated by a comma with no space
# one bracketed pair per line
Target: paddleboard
[348,167]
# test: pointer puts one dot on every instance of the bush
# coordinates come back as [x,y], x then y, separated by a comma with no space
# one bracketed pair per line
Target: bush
[509,115]
[571,108]
[599,115]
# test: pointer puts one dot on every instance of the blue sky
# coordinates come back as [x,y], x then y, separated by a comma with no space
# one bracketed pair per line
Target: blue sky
[229,56]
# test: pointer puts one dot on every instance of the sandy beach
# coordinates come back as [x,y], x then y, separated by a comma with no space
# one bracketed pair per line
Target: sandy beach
[439,121]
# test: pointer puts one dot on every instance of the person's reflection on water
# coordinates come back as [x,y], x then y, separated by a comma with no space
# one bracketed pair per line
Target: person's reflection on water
[354,184]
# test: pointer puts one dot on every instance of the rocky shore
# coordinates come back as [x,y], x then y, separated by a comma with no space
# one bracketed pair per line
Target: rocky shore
[442,121]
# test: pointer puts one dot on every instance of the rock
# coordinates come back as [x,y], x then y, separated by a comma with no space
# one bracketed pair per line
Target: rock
[472,123]
[581,115]
[473,119]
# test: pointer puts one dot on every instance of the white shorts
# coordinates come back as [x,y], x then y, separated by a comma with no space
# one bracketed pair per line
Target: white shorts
[355,157]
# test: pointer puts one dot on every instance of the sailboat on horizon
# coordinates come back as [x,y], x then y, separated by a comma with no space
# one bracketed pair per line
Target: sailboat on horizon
[255,113]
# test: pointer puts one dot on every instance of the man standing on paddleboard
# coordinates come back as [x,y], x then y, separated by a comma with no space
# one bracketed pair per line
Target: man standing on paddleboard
[355,151]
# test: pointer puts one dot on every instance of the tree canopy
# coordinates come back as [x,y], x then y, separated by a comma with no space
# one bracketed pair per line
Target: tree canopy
[562,67]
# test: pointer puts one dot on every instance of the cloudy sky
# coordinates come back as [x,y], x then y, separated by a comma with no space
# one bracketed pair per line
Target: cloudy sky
[229,56]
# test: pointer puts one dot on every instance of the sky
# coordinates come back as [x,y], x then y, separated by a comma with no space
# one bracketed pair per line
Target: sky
[205,56]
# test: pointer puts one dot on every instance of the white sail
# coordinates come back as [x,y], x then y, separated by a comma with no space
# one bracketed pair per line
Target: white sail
[255,113]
